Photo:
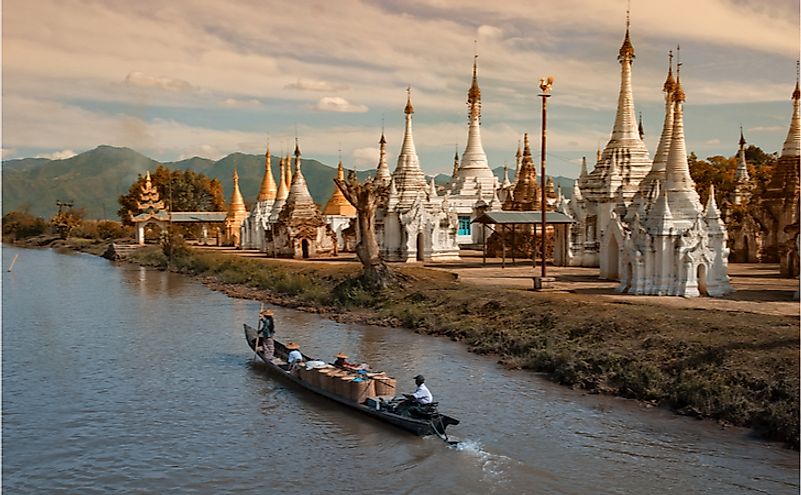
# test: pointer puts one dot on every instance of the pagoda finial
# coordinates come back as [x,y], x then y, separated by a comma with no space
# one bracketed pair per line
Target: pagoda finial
[678,93]
[409,108]
[639,127]
[742,139]
[797,91]
[670,83]
[626,49]
[297,147]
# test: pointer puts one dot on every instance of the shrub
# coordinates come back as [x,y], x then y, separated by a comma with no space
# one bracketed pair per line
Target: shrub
[21,225]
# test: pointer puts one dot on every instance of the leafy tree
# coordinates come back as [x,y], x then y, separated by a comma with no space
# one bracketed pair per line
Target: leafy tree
[67,220]
[21,225]
[180,190]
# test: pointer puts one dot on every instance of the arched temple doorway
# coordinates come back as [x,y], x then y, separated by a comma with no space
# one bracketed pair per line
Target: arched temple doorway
[701,275]
[420,246]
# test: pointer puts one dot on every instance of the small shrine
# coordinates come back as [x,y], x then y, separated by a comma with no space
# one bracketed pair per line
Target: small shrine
[300,231]
[237,213]
[338,212]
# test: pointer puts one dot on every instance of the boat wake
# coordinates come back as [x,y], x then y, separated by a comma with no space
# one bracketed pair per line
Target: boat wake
[492,465]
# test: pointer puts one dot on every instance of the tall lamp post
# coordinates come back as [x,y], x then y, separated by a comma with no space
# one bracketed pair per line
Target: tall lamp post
[546,83]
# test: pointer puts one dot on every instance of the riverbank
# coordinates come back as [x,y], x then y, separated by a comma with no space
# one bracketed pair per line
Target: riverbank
[736,368]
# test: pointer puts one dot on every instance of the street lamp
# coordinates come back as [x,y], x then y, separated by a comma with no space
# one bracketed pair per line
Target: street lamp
[546,83]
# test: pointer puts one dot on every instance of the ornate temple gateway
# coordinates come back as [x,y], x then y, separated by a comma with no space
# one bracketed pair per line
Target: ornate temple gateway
[415,224]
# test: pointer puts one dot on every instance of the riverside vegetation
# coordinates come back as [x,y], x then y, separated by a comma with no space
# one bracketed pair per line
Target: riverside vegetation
[736,368]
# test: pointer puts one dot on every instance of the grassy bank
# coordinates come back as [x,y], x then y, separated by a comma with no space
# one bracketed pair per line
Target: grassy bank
[737,368]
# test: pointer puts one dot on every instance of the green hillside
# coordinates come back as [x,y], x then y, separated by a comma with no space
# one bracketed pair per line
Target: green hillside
[94,179]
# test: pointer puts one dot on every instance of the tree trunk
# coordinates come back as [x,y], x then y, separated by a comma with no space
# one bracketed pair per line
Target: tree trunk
[365,198]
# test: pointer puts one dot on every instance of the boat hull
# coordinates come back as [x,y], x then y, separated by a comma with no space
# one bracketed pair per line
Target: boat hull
[422,427]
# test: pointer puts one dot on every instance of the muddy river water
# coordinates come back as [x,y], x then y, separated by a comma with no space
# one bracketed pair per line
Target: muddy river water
[117,379]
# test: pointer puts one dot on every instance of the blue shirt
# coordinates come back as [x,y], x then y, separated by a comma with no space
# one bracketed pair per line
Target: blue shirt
[294,356]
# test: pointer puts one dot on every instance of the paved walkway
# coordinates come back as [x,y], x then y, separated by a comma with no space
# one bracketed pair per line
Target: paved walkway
[759,288]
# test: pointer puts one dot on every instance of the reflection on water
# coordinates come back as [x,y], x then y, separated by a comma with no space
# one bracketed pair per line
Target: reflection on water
[120,379]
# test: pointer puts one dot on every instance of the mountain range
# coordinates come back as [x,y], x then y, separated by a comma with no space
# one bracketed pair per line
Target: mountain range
[95,179]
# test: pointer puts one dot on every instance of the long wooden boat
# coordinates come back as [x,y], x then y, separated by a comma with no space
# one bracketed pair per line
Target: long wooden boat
[384,408]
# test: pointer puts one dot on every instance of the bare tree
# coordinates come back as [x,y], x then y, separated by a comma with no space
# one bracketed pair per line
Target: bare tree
[366,197]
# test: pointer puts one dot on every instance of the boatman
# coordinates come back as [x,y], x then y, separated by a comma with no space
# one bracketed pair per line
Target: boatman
[422,395]
[266,332]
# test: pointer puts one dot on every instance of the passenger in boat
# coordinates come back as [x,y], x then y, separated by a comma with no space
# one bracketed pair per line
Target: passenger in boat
[266,332]
[422,395]
[342,362]
[295,358]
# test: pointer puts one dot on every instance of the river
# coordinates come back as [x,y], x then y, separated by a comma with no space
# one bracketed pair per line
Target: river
[118,379]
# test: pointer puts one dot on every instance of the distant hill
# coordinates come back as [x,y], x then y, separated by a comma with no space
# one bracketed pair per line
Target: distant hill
[94,179]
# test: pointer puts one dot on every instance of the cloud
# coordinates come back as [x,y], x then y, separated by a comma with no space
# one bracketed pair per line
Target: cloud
[58,155]
[338,104]
[712,141]
[312,85]
[488,32]
[364,158]
[7,153]
[242,103]
[767,128]
[142,80]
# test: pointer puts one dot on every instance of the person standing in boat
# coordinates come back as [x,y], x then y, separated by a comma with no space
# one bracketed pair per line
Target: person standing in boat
[266,332]
[422,395]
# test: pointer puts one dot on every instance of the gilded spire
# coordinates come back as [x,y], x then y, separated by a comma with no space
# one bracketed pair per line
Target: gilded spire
[338,204]
[663,148]
[282,190]
[670,83]
[455,164]
[474,167]
[267,191]
[683,199]
[408,175]
[625,119]
[474,93]
[678,91]
[626,52]
[237,203]
[742,138]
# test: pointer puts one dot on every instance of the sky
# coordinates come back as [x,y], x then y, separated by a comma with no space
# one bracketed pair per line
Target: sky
[207,78]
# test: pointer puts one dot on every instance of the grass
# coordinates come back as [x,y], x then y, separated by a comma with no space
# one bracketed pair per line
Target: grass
[737,368]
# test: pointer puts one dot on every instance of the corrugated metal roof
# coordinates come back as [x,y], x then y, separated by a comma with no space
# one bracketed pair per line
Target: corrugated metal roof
[198,216]
[521,217]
